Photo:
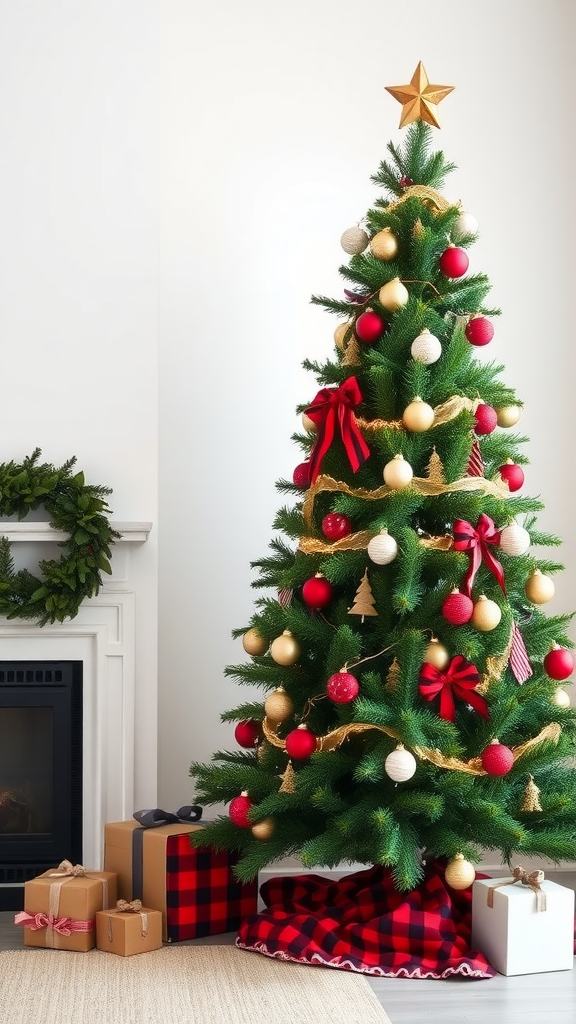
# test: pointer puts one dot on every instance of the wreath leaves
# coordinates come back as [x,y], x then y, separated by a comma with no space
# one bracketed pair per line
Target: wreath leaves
[73,506]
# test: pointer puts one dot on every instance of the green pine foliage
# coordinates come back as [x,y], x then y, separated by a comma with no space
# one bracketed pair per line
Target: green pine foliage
[340,804]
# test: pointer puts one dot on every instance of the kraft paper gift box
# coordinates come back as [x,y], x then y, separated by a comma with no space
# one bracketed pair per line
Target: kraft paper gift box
[523,928]
[195,889]
[60,907]
[129,929]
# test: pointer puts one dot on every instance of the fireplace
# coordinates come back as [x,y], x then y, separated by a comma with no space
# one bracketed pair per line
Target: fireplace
[40,770]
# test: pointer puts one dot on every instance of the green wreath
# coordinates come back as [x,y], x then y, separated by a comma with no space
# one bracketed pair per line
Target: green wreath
[77,508]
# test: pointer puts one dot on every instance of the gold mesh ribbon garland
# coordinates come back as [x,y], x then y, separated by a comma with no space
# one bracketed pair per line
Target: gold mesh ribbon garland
[334,739]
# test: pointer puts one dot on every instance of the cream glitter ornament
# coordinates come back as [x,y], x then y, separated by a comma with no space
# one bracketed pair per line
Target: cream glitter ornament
[436,654]
[464,225]
[539,588]
[486,614]
[340,333]
[418,416]
[426,348]
[278,705]
[264,829]
[398,473]
[459,873]
[382,549]
[384,245]
[308,424]
[393,295]
[514,539]
[561,698]
[285,650]
[400,765]
[508,415]
[253,643]
[354,240]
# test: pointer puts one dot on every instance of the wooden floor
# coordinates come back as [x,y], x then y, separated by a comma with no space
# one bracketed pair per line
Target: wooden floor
[527,999]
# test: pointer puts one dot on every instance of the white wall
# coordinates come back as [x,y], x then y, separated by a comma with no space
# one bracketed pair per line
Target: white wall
[273,117]
[79,262]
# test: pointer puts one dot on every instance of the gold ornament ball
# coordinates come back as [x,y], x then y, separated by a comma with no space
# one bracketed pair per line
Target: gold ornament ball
[339,335]
[436,654]
[264,829]
[285,649]
[418,416]
[278,705]
[253,643]
[398,473]
[561,698]
[384,245]
[393,295]
[308,424]
[508,415]
[539,588]
[354,241]
[486,614]
[460,873]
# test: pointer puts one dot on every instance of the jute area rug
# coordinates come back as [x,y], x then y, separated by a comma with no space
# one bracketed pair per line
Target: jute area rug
[178,985]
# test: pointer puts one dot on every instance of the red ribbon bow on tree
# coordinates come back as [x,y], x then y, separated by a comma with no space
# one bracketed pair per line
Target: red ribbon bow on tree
[331,407]
[475,542]
[457,680]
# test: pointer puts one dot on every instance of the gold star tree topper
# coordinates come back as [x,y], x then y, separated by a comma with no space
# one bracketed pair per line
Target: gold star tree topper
[419,99]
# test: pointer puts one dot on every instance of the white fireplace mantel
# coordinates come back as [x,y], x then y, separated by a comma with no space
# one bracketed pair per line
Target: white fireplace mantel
[43,532]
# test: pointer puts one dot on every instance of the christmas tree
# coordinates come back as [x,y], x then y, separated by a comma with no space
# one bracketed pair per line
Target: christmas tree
[412,701]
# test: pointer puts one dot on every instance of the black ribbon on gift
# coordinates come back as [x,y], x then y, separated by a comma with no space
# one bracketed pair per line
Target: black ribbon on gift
[153,818]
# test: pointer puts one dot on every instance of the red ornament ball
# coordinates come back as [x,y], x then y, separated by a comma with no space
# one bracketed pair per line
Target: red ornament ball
[238,810]
[317,592]
[559,663]
[335,525]
[301,475]
[300,743]
[457,608]
[513,475]
[454,262]
[497,759]
[342,687]
[369,326]
[247,732]
[405,181]
[486,419]
[479,331]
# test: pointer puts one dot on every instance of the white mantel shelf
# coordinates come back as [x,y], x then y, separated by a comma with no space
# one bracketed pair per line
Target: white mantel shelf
[27,531]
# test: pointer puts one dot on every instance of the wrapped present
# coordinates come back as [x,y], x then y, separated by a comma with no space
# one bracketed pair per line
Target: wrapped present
[194,889]
[128,929]
[60,906]
[523,924]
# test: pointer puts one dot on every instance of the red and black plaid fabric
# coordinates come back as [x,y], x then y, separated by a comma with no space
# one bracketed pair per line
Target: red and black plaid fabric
[202,895]
[362,923]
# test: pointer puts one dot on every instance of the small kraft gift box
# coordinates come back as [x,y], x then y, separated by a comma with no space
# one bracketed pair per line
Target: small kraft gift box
[523,924]
[129,929]
[194,889]
[60,907]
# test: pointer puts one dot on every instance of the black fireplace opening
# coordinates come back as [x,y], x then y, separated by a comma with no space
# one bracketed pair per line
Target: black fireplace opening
[40,771]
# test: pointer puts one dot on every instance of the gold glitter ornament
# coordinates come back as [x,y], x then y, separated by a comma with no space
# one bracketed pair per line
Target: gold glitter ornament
[278,705]
[418,416]
[285,649]
[531,797]
[459,873]
[508,415]
[486,614]
[288,780]
[384,245]
[264,829]
[436,654]
[393,295]
[539,588]
[253,643]
[340,333]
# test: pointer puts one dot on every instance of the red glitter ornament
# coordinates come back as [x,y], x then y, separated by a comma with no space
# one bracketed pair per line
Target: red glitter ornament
[558,663]
[486,419]
[405,181]
[454,261]
[369,326]
[513,475]
[335,525]
[342,687]
[300,743]
[247,732]
[497,759]
[301,475]
[317,592]
[479,331]
[238,810]
[457,608]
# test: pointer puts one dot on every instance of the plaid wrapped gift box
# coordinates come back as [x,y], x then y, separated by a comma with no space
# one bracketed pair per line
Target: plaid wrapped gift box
[195,889]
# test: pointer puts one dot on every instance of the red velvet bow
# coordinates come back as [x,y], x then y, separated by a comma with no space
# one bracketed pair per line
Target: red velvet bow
[475,542]
[457,680]
[335,406]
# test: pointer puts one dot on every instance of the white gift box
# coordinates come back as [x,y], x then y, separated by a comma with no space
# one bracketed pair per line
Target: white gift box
[517,937]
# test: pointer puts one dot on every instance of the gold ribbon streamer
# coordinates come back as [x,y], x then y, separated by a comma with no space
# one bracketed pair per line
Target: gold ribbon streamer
[443,413]
[533,879]
[428,195]
[472,767]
